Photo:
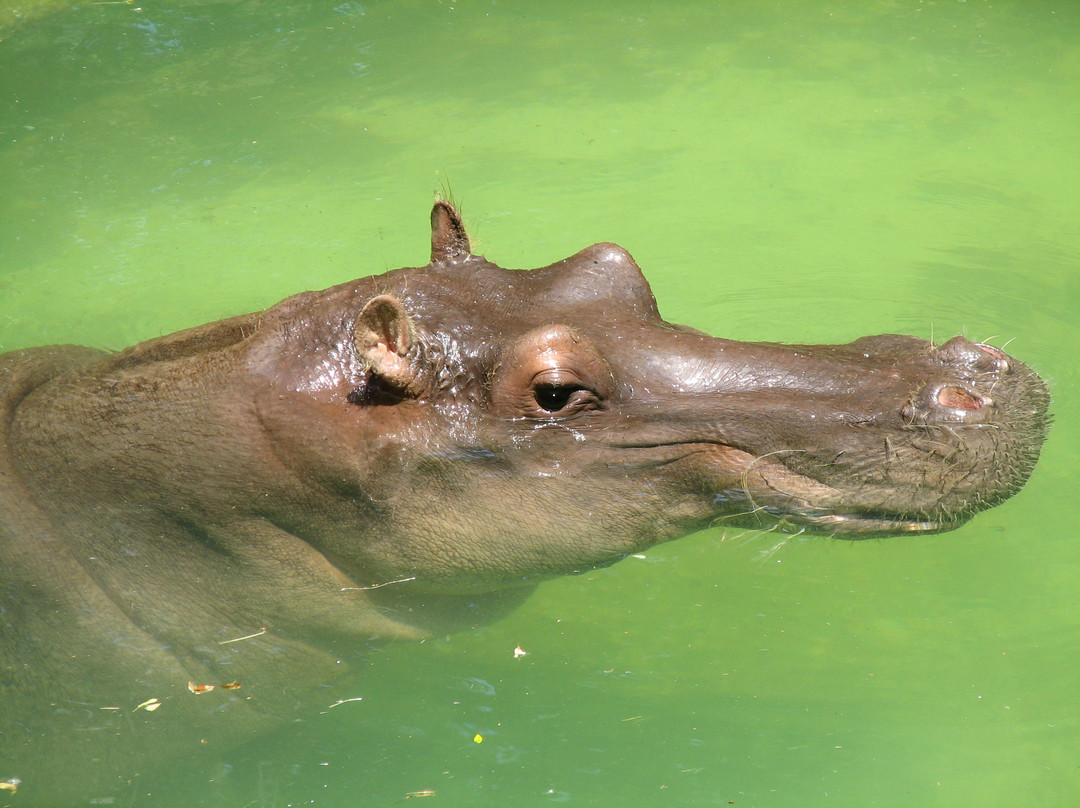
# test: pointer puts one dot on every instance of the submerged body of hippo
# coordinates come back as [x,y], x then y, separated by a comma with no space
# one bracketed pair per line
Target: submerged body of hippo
[411,454]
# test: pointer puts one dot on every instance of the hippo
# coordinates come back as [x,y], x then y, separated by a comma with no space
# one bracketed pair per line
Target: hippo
[246,503]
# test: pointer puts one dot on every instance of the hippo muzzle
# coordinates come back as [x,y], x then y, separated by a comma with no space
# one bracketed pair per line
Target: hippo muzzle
[886,434]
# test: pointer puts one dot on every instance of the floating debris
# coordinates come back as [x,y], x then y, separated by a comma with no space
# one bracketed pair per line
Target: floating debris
[258,633]
[344,701]
[377,586]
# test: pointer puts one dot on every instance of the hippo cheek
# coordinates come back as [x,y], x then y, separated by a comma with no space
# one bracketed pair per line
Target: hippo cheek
[553,528]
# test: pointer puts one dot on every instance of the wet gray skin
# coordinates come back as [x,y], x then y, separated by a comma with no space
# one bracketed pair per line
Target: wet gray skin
[410,454]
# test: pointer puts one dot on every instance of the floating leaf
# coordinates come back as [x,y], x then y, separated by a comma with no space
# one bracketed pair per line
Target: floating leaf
[231,686]
[149,705]
[198,690]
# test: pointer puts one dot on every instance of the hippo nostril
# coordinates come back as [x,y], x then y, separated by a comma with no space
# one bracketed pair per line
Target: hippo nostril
[1000,357]
[948,403]
[959,399]
[974,357]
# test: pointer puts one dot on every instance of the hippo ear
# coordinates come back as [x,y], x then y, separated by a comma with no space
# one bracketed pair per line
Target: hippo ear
[449,241]
[382,337]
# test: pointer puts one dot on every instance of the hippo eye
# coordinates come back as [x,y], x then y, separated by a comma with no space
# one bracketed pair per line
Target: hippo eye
[554,397]
[561,392]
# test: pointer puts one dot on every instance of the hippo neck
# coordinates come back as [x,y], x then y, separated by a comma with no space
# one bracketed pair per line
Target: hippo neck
[207,491]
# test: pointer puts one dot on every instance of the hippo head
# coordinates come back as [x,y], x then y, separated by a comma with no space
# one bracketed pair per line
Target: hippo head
[500,426]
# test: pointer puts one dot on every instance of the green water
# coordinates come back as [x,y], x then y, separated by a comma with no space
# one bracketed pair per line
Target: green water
[798,171]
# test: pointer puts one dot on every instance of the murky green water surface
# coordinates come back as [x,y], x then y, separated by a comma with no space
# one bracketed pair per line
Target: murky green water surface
[796,172]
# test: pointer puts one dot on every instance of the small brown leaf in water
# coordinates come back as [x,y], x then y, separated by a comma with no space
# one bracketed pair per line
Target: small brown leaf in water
[231,686]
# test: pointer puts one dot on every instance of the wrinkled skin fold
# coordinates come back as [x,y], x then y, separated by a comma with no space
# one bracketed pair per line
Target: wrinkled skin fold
[411,454]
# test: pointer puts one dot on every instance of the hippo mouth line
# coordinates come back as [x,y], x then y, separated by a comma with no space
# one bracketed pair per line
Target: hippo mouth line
[794,502]
[853,523]
[862,524]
